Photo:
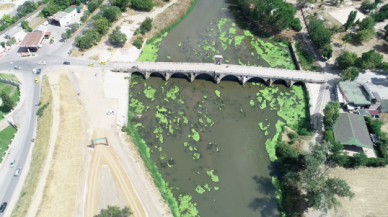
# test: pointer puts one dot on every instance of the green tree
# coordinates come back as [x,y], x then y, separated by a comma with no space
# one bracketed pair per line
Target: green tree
[25,26]
[147,24]
[295,24]
[369,60]
[346,60]
[367,23]
[111,13]
[364,35]
[64,36]
[63,4]
[360,159]
[322,191]
[138,43]
[326,51]
[367,6]
[7,101]
[102,26]
[350,74]
[122,4]
[26,8]
[73,27]
[50,10]
[92,6]
[117,37]
[331,112]
[115,211]
[351,19]
[347,38]
[146,5]
[319,34]
[7,19]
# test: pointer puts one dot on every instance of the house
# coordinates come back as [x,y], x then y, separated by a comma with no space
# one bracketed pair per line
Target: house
[354,94]
[63,18]
[351,131]
[17,32]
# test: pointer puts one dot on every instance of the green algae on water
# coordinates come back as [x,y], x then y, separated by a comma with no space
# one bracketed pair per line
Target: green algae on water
[212,176]
[216,188]
[206,186]
[197,155]
[163,156]
[199,189]
[185,144]
[195,135]
[252,103]
[186,206]
[218,93]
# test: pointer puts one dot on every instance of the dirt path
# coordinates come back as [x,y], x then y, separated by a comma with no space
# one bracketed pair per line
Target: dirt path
[37,198]
[106,156]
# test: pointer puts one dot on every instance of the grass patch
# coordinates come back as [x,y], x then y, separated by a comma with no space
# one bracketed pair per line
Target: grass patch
[9,76]
[12,91]
[5,139]
[39,152]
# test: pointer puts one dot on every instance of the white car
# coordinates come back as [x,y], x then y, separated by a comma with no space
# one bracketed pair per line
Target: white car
[41,63]
[12,164]
[34,70]
[17,172]
[110,113]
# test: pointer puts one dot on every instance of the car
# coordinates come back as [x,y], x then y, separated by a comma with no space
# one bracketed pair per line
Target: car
[17,67]
[102,63]
[34,70]
[36,80]
[17,172]
[91,64]
[110,113]
[2,207]
[38,71]
[12,164]
[41,63]
[66,63]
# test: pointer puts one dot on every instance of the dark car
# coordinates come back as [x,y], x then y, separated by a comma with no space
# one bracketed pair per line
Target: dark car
[2,207]
[38,71]
[66,63]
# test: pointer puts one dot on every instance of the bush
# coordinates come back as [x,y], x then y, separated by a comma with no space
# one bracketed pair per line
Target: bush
[26,27]
[303,132]
[117,37]
[347,38]
[292,135]
[146,5]
[3,44]
[347,59]
[147,24]
[8,104]
[329,136]
[41,109]
[295,24]
[84,18]
[138,43]
[364,35]
[92,6]
[326,51]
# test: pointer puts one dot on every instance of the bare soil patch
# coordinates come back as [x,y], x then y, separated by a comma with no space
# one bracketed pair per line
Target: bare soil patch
[64,180]
[369,185]
[36,22]
[384,118]
[39,153]
[6,6]
[95,57]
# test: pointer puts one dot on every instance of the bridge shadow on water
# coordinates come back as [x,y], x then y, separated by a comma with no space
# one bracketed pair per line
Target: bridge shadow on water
[266,203]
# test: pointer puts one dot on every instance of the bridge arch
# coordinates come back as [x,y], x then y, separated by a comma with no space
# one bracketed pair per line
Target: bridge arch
[280,81]
[257,80]
[204,76]
[230,78]
[138,74]
[179,75]
[157,74]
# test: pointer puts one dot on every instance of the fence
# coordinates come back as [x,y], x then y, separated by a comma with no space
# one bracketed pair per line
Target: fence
[9,81]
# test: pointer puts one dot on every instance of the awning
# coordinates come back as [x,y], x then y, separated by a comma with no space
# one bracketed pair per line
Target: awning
[374,112]
[47,33]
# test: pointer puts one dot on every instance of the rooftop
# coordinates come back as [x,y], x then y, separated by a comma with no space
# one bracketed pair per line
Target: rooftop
[14,31]
[68,10]
[350,129]
[354,93]
[59,15]
[32,39]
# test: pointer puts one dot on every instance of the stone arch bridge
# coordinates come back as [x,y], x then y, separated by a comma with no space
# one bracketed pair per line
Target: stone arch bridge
[218,72]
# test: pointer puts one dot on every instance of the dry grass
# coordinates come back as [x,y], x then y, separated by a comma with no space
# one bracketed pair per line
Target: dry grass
[168,17]
[95,57]
[370,187]
[5,6]
[159,3]
[384,118]
[39,153]
[63,182]
[36,22]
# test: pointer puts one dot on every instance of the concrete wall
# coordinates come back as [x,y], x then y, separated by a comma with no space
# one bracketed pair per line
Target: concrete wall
[9,81]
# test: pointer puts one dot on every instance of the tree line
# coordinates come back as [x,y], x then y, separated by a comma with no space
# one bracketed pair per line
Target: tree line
[21,11]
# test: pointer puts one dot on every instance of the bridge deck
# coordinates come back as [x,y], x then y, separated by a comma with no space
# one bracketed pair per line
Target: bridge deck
[236,70]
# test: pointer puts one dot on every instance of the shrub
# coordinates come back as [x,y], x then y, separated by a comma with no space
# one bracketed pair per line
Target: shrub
[138,43]
[364,35]
[346,59]
[117,37]
[84,18]
[2,44]
[146,5]
[292,135]
[347,38]
[329,136]
[303,132]
[41,109]
[147,24]
[295,24]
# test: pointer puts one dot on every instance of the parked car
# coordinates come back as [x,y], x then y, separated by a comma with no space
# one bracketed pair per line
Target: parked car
[17,172]
[36,80]
[91,64]
[38,71]
[102,63]
[34,70]
[2,207]
[17,67]
[110,113]
[41,63]
[66,63]
[12,164]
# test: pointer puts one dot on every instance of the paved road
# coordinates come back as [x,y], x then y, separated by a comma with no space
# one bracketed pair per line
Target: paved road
[22,144]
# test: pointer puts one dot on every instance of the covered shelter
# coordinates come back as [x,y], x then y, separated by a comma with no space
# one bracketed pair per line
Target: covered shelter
[355,94]
[32,40]
[63,18]
[351,131]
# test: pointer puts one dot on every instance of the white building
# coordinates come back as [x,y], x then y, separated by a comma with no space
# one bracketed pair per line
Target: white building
[17,32]
[63,18]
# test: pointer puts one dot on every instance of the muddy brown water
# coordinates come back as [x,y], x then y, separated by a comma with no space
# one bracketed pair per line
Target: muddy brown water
[241,162]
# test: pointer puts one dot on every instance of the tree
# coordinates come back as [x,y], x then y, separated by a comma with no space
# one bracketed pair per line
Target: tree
[122,4]
[367,6]
[63,4]
[147,24]
[346,60]
[84,18]
[322,191]
[50,10]
[117,37]
[369,60]
[326,51]
[92,5]
[73,27]
[350,74]
[26,8]
[360,159]
[7,19]
[146,5]
[64,36]
[138,43]
[111,13]
[331,112]
[7,101]
[367,23]
[351,19]
[347,38]
[102,26]
[295,24]
[364,35]
[25,26]
[114,211]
